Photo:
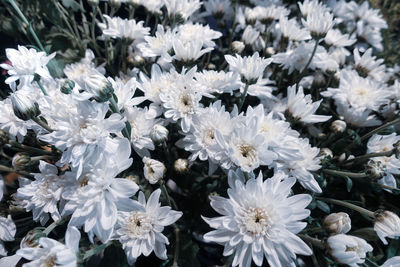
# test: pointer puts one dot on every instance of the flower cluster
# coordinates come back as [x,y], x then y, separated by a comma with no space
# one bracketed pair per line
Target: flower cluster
[274,124]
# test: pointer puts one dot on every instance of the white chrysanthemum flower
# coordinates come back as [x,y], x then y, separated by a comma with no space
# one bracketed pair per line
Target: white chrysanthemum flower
[347,249]
[154,6]
[182,8]
[94,198]
[358,92]
[16,127]
[79,71]
[309,7]
[368,65]
[371,36]
[190,32]
[292,31]
[337,223]
[53,253]
[182,100]
[246,147]
[335,38]
[259,219]
[152,87]
[319,23]
[142,121]
[42,195]
[157,45]
[390,165]
[301,107]
[387,224]
[392,262]
[250,68]
[269,13]
[220,9]
[277,133]
[189,51]
[25,63]
[125,91]
[298,58]
[359,117]
[140,225]
[201,139]
[301,168]
[250,35]
[218,81]
[84,135]
[369,16]
[117,27]
[153,170]
[7,232]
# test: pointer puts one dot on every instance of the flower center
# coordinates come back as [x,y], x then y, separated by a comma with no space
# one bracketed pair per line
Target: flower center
[50,262]
[256,221]
[209,137]
[139,225]
[247,151]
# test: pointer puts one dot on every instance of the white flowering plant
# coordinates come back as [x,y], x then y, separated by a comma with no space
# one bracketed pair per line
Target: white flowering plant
[199,133]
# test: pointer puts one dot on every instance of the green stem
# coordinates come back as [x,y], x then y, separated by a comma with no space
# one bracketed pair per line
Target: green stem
[96,250]
[8,169]
[345,174]
[379,129]
[165,192]
[37,158]
[42,124]
[308,63]
[242,99]
[177,244]
[51,227]
[348,205]
[115,109]
[30,148]
[22,16]
[41,87]
[370,155]
[314,241]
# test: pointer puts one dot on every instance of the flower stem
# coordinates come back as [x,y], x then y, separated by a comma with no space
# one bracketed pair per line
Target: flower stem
[51,227]
[345,174]
[115,109]
[348,205]
[8,169]
[41,87]
[246,88]
[42,124]
[30,148]
[96,250]
[370,155]
[23,18]
[308,63]
[177,244]
[314,241]
[379,129]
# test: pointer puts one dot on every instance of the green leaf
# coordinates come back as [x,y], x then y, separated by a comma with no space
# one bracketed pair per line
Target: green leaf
[349,183]
[323,206]
[393,248]
[71,4]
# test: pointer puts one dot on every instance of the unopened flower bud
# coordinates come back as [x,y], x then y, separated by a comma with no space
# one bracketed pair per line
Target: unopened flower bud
[319,80]
[348,249]
[115,3]
[4,138]
[342,157]
[99,86]
[159,134]
[153,170]
[325,152]
[67,87]
[387,224]
[93,2]
[24,107]
[181,165]
[238,46]
[270,51]
[20,161]
[337,223]
[134,3]
[338,126]
[375,169]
